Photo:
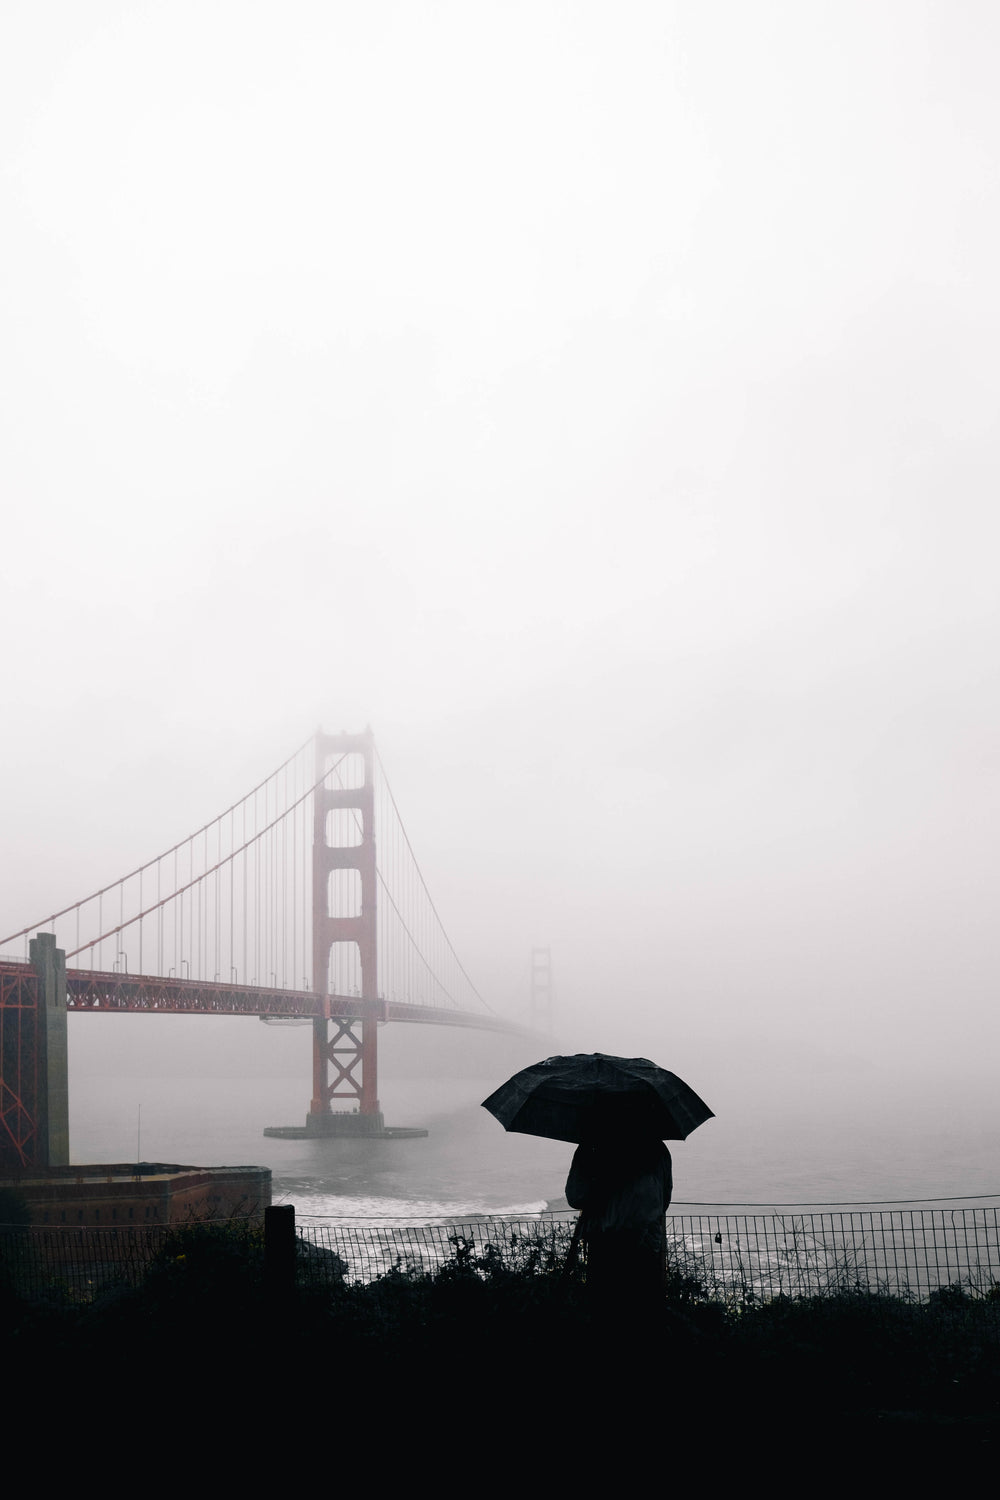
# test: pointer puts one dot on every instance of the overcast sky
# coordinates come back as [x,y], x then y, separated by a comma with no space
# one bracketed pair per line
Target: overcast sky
[598,399]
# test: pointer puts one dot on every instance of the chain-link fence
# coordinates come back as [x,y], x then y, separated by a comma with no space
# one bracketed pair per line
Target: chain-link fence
[901,1252]
[365,1252]
[731,1257]
[738,1259]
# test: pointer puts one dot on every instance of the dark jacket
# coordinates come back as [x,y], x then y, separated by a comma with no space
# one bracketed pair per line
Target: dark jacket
[621,1185]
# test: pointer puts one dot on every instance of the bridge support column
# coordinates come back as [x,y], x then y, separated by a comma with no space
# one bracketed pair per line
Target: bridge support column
[351,1052]
[541,990]
[345,1046]
[53,1071]
[345,1035]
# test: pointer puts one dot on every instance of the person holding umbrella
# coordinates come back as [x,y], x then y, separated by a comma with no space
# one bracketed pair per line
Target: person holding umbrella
[621,1183]
[620,1110]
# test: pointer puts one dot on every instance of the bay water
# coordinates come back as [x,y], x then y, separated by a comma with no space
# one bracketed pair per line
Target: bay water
[876,1146]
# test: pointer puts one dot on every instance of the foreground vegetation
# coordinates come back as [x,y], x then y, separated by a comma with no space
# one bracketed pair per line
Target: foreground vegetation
[484,1345]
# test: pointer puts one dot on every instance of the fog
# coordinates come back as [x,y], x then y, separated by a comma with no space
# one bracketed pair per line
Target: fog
[597,400]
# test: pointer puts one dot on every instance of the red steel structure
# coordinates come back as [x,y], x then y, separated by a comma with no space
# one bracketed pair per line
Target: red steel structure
[20,1064]
[34,1102]
[93,990]
[350,1053]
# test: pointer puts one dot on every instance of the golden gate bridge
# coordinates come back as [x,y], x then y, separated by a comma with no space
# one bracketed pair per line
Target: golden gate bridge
[281,907]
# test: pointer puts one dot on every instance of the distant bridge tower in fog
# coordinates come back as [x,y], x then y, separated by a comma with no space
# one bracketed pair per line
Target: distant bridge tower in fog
[542,992]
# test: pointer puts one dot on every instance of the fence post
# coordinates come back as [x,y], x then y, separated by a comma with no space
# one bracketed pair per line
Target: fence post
[279,1250]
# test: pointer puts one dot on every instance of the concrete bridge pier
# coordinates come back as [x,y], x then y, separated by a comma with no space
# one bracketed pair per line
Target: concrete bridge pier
[51,1053]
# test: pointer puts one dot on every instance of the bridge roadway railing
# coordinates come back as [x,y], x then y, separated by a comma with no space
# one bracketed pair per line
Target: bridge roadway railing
[736,1259]
[90,990]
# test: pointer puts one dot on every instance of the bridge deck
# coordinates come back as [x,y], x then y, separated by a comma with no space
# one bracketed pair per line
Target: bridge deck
[97,990]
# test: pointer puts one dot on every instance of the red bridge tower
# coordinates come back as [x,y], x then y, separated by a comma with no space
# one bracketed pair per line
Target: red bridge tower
[345,1046]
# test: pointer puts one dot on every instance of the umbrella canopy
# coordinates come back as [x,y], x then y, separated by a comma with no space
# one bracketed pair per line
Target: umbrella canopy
[591,1095]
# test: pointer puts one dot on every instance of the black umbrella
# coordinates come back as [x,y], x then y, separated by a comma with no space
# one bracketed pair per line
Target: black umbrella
[591,1095]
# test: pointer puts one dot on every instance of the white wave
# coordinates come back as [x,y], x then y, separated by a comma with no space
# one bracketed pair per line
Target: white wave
[358,1211]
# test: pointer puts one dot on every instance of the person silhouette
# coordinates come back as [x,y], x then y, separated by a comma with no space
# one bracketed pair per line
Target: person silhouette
[622,1183]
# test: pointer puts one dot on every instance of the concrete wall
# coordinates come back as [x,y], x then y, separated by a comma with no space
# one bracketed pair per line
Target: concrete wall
[126,1195]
